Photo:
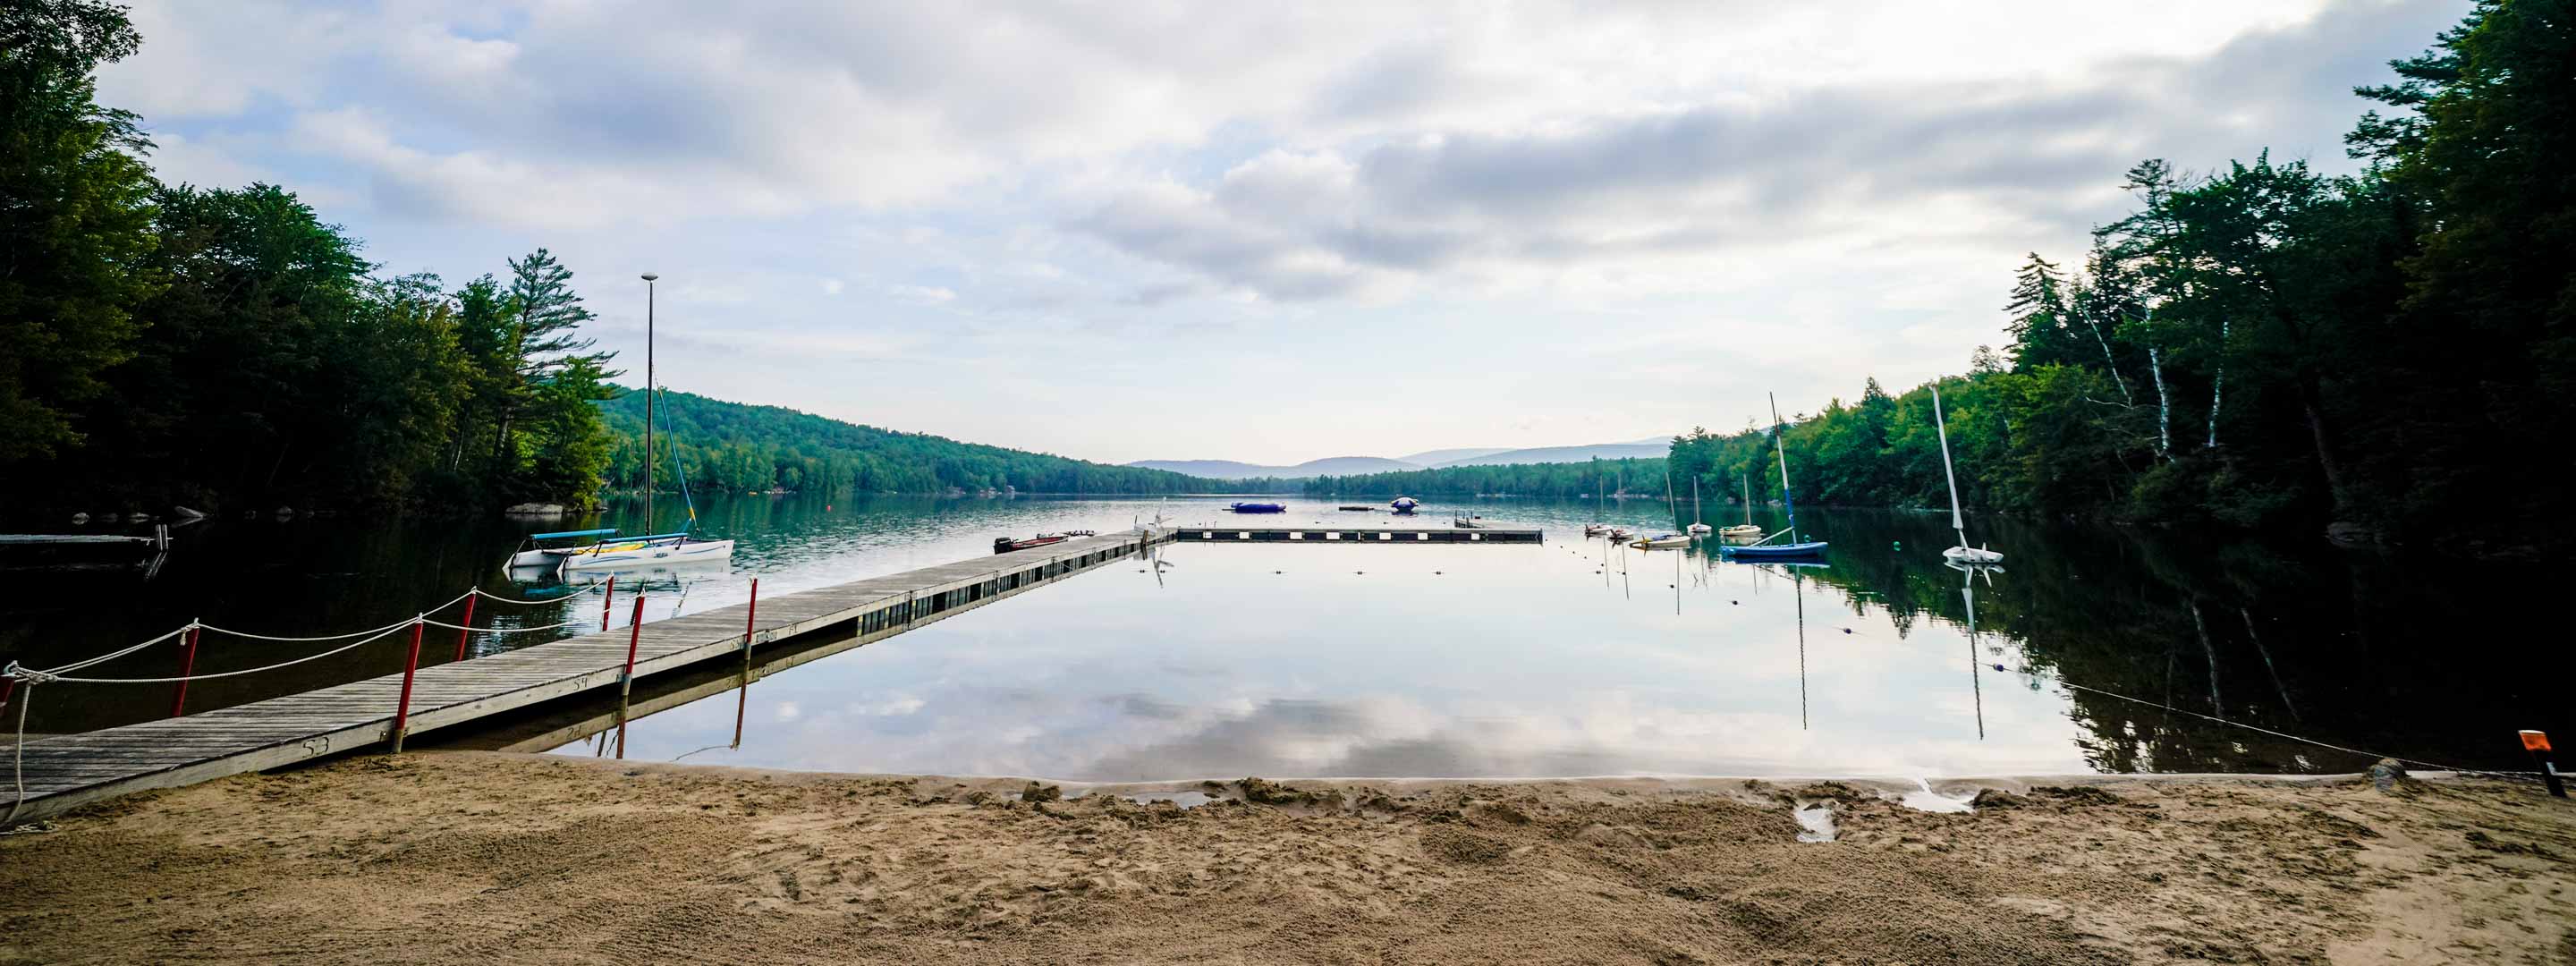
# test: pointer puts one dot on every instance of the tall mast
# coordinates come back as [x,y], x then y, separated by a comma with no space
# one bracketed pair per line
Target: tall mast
[1695,511]
[1747,480]
[1780,445]
[648,402]
[1941,426]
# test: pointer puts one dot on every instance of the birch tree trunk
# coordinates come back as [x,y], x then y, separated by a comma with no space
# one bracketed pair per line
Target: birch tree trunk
[2164,406]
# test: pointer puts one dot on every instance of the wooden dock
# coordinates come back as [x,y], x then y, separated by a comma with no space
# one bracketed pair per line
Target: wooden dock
[1375,535]
[68,771]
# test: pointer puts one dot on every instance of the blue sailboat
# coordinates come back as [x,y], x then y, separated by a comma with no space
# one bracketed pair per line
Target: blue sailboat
[1795,549]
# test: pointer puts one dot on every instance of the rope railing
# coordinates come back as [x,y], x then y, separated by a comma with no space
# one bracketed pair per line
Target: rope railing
[44,677]
[2435,765]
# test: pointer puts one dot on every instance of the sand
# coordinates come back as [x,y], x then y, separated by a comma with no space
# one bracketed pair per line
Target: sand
[500,858]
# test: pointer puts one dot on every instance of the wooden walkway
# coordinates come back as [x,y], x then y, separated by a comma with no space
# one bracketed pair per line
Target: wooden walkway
[68,771]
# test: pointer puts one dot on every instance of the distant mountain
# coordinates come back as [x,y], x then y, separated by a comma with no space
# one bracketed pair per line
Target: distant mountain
[1654,449]
[1443,457]
[1232,470]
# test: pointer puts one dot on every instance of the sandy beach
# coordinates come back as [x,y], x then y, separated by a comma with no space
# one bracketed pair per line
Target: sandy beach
[468,856]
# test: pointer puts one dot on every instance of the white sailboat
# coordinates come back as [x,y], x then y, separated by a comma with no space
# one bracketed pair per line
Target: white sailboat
[661,549]
[1962,553]
[1597,528]
[1697,529]
[1748,529]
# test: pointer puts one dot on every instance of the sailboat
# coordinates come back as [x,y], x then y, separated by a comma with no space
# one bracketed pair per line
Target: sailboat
[1962,553]
[1696,528]
[1795,549]
[1746,530]
[1597,529]
[661,549]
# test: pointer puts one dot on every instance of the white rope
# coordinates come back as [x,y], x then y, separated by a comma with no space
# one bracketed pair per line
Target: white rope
[2435,765]
[113,655]
[405,622]
[488,595]
[503,630]
[388,632]
[18,759]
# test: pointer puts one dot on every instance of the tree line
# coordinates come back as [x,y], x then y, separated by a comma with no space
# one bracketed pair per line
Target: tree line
[227,347]
[737,447]
[2389,354]
[224,348]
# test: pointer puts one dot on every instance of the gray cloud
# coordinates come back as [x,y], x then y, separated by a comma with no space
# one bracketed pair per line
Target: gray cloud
[2029,160]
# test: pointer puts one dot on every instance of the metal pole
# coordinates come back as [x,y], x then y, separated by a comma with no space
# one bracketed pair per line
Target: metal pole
[464,635]
[626,678]
[187,666]
[607,602]
[411,666]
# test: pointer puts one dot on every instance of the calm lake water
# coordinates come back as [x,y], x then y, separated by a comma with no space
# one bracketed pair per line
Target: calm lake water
[1566,658]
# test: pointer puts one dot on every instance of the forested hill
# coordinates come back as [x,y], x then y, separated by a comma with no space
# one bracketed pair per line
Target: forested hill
[1549,480]
[742,447]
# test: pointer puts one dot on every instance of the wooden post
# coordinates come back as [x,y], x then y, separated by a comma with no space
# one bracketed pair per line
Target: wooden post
[411,666]
[626,678]
[742,695]
[607,598]
[468,633]
[2537,743]
[187,666]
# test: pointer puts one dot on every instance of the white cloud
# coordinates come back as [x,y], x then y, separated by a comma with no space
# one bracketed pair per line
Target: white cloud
[1818,192]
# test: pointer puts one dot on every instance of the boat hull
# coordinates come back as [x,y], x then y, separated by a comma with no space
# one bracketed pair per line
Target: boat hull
[1786,551]
[652,555]
[1662,543]
[1972,555]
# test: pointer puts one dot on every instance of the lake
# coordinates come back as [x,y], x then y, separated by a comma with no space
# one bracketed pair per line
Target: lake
[2095,649]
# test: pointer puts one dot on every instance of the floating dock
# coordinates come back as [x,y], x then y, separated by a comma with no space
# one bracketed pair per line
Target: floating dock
[67,771]
[1388,535]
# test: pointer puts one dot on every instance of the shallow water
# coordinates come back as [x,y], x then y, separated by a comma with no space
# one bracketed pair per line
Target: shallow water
[1567,658]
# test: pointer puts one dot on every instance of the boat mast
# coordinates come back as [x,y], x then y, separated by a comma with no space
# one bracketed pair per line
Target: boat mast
[1747,480]
[1695,511]
[1669,509]
[648,402]
[1941,426]
[1780,445]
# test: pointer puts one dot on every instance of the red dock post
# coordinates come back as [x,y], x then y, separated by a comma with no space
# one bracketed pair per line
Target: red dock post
[187,666]
[607,598]
[468,633]
[626,678]
[411,665]
[742,695]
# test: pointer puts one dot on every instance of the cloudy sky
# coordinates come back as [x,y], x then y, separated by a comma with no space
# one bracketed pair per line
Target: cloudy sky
[1271,233]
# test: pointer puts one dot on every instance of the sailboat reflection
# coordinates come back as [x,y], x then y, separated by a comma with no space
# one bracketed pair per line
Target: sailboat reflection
[1968,592]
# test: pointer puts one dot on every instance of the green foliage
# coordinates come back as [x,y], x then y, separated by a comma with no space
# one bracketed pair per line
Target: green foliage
[75,216]
[745,448]
[1553,480]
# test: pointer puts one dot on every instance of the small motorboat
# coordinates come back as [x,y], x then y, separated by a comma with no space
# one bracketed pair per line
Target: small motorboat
[1467,523]
[1259,508]
[1404,505]
[1595,529]
[1699,529]
[1741,531]
[1663,541]
[1006,544]
[1621,533]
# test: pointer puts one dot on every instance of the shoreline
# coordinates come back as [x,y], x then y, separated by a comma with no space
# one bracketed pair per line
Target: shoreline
[446,856]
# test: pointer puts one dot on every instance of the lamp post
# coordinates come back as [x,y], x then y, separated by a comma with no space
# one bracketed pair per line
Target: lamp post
[649,278]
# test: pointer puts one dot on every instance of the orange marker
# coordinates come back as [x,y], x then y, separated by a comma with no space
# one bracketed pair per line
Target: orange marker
[2537,743]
